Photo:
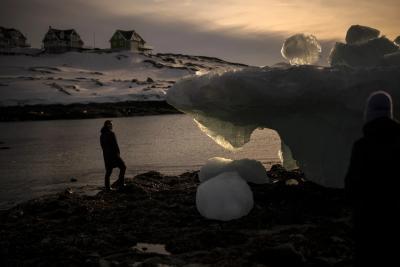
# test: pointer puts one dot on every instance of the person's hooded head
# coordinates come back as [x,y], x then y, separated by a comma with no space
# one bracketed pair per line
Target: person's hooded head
[107,126]
[379,105]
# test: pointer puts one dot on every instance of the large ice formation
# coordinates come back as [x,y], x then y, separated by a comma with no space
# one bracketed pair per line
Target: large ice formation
[301,49]
[249,169]
[224,197]
[357,34]
[317,111]
[364,48]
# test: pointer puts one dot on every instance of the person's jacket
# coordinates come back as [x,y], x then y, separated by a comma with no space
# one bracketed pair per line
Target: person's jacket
[109,145]
[375,161]
[372,185]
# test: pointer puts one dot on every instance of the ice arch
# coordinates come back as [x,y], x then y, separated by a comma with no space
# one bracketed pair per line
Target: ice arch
[318,112]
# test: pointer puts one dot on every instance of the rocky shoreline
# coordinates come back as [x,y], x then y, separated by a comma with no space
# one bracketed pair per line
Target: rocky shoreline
[294,222]
[85,111]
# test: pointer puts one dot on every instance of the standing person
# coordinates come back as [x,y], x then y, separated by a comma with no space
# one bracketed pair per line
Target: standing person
[111,155]
[372,185]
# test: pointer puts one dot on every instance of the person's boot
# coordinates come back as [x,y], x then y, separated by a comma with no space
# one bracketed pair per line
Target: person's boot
[107,183]
[120,184]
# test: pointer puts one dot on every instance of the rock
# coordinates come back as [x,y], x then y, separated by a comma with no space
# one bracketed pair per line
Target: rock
[282,255]
[73,180]
[291,182]
[103,262]
[68,191]
[149,80]
[358,34]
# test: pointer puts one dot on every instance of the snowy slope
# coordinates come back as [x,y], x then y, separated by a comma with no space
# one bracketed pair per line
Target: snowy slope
[86,77]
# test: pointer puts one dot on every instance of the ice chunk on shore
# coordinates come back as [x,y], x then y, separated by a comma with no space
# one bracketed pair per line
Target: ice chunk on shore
[214,167]
[224,197]
[357,34]
[370,53]
[301,49]
[249,169]
[397,40]
[317,111]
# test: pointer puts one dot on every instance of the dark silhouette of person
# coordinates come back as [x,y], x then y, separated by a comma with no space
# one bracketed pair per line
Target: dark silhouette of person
[372,185]
[111,154]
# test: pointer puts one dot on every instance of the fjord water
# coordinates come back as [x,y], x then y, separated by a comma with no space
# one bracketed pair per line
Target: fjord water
[45,155]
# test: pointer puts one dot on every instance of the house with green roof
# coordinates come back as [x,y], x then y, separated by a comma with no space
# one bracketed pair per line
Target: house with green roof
[128,40]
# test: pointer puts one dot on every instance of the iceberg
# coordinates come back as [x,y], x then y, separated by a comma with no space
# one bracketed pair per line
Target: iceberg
[357,34]
[301,49]
[317,111]
[224,197]
[363,48]
[249,169]
[369,53]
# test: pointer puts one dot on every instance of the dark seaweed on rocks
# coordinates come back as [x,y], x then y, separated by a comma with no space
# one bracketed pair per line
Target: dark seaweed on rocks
[296,225]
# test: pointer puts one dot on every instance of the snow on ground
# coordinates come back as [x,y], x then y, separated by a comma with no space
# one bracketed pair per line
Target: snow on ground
[96,76]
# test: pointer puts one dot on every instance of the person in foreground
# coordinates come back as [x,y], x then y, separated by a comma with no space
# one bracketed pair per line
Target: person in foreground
[372,185]
[111,155]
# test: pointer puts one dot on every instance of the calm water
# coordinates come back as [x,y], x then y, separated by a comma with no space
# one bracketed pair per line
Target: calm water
[45,155]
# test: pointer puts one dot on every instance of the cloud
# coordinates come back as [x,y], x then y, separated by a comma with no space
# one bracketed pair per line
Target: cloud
[247,31]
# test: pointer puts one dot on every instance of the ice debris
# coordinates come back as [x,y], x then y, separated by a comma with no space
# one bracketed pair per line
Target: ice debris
[357,34]
[364,48]
[224,197]
[397,40]
[301,49]
[250,170]
[370,53]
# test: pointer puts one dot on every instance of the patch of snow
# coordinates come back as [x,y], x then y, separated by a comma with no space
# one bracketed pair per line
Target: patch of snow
[83,77]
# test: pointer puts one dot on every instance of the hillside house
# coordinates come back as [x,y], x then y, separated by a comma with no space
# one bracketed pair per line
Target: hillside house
[128,40]
[12,38]
[58,41]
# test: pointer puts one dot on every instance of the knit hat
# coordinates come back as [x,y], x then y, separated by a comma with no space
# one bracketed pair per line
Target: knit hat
[379,104]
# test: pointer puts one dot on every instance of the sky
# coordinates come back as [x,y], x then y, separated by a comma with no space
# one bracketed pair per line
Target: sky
[250,31]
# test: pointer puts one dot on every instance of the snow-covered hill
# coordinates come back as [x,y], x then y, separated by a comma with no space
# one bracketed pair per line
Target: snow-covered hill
[97,76]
